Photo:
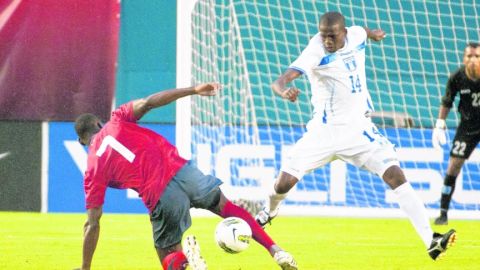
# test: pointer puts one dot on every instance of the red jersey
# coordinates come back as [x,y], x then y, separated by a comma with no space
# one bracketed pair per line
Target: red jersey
[124,155]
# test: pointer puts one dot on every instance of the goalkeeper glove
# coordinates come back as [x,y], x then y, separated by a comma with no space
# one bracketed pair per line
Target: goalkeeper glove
[439,136]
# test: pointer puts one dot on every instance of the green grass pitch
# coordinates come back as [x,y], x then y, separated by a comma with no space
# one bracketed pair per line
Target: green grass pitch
[53,241]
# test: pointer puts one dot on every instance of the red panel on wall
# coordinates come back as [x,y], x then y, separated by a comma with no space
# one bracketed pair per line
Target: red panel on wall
[57,58]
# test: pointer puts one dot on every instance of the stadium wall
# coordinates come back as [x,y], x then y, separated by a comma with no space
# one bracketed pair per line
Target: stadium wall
[146,64]
[20,166]
[57,58]
[146,61]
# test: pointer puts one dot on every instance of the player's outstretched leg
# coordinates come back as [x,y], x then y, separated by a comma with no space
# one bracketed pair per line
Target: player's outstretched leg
[284,183]
[191,248]
[440,244]
[285,260]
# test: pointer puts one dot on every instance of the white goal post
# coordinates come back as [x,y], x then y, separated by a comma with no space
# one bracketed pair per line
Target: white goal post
[242,134]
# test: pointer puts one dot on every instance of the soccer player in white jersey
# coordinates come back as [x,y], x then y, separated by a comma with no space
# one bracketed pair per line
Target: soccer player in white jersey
[341,128]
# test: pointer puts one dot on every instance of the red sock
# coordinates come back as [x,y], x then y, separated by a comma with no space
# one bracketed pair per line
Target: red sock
[175,261]
[232,210]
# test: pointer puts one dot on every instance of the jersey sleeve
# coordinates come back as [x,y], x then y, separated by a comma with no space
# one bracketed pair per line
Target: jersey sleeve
[124,113]
[309,56]
[95,185]
[451,90]
[358,32]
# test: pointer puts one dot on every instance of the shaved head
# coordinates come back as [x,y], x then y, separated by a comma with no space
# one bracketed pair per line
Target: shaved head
[332,18]
[332,31]
[86,125]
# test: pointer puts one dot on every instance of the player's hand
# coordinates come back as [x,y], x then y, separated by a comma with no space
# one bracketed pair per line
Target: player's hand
[291,94]
[377,34]
[207,89]
[439,135]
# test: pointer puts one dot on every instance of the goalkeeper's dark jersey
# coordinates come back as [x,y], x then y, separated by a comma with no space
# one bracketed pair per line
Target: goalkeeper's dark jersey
[469,91]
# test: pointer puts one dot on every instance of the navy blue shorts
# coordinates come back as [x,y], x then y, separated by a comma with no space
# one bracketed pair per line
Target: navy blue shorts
[171,216]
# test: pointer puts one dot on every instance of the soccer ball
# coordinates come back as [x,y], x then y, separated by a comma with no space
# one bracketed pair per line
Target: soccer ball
[233,234]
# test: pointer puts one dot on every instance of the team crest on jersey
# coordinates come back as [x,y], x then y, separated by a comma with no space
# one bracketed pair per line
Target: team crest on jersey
[465,91]
[350,63]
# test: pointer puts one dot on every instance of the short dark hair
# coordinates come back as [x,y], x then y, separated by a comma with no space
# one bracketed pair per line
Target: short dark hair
[332,17]
[473,44]
[86,124]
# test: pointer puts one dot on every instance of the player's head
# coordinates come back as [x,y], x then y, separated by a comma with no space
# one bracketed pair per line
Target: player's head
[87,125]
[332,31]
[471,60]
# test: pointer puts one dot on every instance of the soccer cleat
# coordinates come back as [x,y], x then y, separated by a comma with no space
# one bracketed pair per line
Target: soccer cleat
[440,243]
[285,260]
[263,217]
[191,249]
[441,220]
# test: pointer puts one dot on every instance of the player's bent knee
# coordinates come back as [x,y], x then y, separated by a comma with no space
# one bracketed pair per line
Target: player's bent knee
[175,261]
[394,176]
[212,200]
[285,183]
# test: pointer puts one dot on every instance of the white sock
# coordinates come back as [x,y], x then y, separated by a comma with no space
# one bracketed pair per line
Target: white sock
[411,204]
[274,201]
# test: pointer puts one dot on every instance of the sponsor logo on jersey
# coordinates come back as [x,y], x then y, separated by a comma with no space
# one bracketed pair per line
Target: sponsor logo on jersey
[465,91]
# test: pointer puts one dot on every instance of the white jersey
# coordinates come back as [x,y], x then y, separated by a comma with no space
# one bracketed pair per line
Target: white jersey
[338,81]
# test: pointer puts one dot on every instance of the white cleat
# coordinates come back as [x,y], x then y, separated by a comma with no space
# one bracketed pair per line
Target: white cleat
[264,216]
[285,260]
[191,249]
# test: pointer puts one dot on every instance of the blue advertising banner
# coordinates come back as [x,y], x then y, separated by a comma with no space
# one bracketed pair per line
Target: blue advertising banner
[67,163]
[338,185]
[249,170]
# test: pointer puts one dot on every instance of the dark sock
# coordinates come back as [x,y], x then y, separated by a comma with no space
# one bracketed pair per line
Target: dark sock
[447,192]
[232,210]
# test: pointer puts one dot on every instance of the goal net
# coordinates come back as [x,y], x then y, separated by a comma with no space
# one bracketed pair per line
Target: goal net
[242,134]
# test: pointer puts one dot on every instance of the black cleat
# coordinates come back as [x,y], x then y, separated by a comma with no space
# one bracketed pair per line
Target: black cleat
[440,243]
[441,220]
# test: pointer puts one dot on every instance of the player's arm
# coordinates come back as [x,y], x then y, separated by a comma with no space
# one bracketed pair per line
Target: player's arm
[375,34]
[439,134]
[142,106]
[90,235]
[442,115]
[451,91]
[280,85]
[443,112]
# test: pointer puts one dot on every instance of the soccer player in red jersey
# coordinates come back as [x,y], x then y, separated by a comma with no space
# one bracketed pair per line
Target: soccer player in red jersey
[122,154]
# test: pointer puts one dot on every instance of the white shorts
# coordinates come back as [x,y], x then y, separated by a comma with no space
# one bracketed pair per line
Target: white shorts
[363,146]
